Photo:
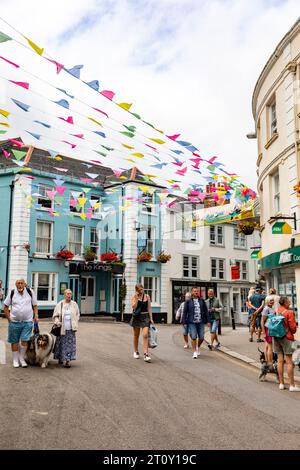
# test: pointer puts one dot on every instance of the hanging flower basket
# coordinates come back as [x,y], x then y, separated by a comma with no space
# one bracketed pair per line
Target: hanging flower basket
[65,254]
[247,228]
[144,257]
[163,257]
[109,257]
[89,254]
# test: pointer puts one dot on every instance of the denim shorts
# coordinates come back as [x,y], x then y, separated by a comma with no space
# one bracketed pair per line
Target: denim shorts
[185,330]
[196,330]
[214,326]
[19,330]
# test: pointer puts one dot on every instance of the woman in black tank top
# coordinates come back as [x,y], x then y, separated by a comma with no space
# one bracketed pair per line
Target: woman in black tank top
[141,319]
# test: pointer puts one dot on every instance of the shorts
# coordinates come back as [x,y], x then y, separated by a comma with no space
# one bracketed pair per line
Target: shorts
[196,330]
[19,330]
[214,326]
[185,330]
[282,346]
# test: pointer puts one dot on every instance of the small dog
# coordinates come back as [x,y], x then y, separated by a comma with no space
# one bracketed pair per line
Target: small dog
[39,349]
[296,354]
[267,368]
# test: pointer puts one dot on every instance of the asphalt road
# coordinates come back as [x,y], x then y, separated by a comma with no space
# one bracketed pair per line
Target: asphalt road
[108,400]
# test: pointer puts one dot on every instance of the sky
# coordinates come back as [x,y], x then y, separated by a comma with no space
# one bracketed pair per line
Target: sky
[189,66]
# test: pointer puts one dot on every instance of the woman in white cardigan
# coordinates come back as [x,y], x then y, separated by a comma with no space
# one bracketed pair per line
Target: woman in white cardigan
[66,314]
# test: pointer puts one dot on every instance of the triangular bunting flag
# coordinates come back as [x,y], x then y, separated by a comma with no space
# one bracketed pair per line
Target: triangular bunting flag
[75,71]
[19,154]
[21,105]
[36,48]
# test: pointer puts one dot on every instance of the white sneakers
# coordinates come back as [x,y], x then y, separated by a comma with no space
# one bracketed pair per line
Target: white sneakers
[147,358]
[136,355]
[186,346]
[195,355]
[294,388]
[16,363]
[198,351]
[18,358]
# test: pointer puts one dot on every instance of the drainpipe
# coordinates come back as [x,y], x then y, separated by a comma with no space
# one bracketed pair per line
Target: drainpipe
[122,301]
[12,185]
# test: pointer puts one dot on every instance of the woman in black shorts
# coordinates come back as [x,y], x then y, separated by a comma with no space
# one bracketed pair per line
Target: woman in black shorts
[141,319]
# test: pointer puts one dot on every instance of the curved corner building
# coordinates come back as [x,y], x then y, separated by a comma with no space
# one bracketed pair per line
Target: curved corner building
[276,111]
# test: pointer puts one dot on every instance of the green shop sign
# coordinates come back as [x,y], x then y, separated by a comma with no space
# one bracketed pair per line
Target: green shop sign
[281,258]
[281,228]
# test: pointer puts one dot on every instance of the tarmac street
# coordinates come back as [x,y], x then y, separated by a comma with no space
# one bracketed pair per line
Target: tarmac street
[108,400]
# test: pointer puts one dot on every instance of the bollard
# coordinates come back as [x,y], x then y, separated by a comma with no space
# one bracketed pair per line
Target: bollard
[219,327]
[232,318]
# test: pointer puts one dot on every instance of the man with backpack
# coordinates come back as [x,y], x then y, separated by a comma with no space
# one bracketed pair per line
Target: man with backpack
[282,341]
[23,310]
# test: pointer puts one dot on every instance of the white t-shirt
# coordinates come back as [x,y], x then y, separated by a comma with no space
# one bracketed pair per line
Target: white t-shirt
[21,305]
[67,317]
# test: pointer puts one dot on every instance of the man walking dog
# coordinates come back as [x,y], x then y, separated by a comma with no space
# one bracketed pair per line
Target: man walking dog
[23,310]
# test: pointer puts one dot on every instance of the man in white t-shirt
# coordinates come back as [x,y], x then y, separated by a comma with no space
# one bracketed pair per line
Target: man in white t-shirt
[23,310]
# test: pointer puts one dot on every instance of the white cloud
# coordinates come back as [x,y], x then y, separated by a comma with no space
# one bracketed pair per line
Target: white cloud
[189,66]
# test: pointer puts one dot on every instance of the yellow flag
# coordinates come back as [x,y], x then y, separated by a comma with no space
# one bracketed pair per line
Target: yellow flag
[139,155]
[159,141]
[129,160]
[4,113]
[58,158]
[94,120]
[128,146]
[83,216]
[82,201]
[4,124]
[126,106]
[37,49]
[97,205]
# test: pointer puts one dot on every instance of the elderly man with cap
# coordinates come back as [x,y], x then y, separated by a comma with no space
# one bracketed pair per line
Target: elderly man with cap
[256,305]
[23,310]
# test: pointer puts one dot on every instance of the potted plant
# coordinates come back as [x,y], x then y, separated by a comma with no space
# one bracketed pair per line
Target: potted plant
[247,227]
[109,257]
[144,256]
[89,254]
[163,257]
[64,254]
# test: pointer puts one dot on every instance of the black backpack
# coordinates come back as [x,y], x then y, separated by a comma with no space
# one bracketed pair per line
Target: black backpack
[13,292]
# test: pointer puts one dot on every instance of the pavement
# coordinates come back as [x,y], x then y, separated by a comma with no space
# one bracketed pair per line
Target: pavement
[235,343]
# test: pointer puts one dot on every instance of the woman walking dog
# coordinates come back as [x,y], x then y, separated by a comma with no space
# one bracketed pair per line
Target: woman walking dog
[141,319]
[66,315]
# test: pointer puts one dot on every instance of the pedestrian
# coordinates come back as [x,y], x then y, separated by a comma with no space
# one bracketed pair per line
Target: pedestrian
[20,309]
[283,346]
[179,315]
[267,311]
[256,304]
[195,315]
[214,309]
[141,319]
[66,315]
[1,296]
[272,294]
[250,293]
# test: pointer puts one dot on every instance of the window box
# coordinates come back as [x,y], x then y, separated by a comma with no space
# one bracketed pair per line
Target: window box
[109,257]
[163,257]
[65,254]
[144,257]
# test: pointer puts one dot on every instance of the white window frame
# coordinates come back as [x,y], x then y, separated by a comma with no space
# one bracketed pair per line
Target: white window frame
[155,302]
[214,230]
[92,244]
[72,209]
[276,192]
[238,237]
[244,273]
[96,212]
[82,238]
[189,233]
[190,267]
[53,279]
[45,187]
[273,118]
[145,205]
[146,228]
[217,268]
[51,237]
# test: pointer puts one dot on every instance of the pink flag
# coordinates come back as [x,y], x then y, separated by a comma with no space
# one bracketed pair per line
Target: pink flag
[211,160]
[153,148]
[9,62]
[178,163]
[64,170]
[69,143]
[80,136]
[16,143]
[59,66]
[108,94]
[5,153]
[89,215]
[60,189]
[181,172]
[97,162]
[73,202]
[86,180]
[51,194]
[22,84]
[99,111]
[68,120]
[173,137]
[118,173]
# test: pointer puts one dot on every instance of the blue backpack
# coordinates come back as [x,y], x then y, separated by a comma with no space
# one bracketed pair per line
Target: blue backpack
[275,326]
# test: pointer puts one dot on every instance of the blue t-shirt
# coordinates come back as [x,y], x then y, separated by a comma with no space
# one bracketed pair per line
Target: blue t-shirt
[256,300]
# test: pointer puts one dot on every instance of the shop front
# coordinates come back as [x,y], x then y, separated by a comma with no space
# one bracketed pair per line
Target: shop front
[280,270]
[96,286]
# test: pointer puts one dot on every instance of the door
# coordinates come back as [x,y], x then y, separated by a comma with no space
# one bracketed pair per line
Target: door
[116,304]
[224,298]
[88,295]
[74,285]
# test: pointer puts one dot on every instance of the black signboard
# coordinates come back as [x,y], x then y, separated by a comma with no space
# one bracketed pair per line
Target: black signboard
[82,267]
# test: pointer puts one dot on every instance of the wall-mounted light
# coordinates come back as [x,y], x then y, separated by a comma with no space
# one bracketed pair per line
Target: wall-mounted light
[137,226]
[66,264]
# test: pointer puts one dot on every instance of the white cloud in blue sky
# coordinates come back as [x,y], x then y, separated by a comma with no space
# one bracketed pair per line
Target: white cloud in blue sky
[189,66]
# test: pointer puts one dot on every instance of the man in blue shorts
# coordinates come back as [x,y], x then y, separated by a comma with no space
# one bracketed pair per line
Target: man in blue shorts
[23,310]
[195,315]
[256,304]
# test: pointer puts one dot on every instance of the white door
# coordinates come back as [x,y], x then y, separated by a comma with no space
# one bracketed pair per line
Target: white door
[88,295]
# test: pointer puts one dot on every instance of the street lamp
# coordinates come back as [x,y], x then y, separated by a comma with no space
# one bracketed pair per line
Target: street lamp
[252,135]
